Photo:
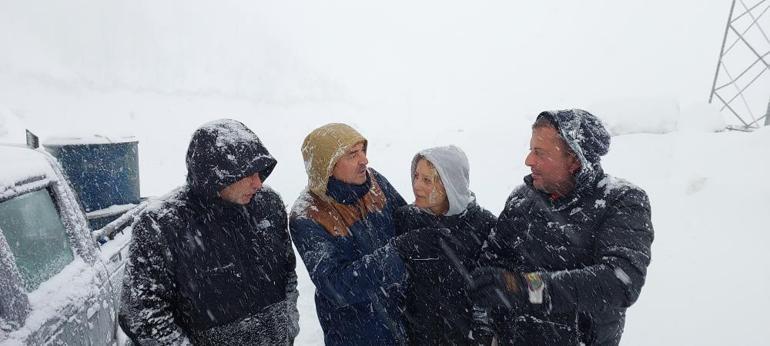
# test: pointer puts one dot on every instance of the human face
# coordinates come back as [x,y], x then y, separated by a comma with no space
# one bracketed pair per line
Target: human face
[429,192]
[241,191]
[351,167]
[553,165]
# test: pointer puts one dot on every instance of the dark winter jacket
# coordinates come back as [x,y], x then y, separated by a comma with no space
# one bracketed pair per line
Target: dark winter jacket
[208,271]
[592,248]
[345,242]
[438,308]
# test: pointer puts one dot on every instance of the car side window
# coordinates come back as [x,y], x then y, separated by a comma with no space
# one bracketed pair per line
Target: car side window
[37,238]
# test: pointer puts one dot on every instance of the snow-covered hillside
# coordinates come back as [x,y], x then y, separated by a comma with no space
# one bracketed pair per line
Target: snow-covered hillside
[411,75]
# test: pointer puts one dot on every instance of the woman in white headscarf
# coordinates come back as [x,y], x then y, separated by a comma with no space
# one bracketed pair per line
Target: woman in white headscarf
[449,228]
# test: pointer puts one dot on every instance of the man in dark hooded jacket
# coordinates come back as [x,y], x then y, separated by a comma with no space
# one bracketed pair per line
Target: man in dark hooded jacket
[211,263]
[571,248]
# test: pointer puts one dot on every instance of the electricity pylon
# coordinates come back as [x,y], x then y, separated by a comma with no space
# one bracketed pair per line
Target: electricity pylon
[746,50]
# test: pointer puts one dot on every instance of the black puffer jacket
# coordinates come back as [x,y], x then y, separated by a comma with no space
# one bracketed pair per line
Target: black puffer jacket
[438,308]
[206,270]
[592,248]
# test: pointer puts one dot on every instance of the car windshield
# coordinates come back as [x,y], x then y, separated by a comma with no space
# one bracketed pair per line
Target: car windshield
[36,236]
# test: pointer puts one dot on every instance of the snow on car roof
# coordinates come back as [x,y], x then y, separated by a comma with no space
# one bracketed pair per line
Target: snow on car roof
[76,139]
[20,164]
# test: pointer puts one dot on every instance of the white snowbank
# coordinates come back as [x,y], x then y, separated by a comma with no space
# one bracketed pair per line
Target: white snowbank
[701,116]
[709,209]
[657,115]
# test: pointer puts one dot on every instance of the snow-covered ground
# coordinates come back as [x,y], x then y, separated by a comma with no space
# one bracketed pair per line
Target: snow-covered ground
[411,75]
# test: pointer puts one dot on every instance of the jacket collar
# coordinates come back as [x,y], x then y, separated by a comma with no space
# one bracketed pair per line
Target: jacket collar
[585,181]
[210,202]
[348,193]
[449,220]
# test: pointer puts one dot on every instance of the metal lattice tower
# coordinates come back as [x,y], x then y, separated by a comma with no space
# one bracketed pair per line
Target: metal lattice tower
[741,83]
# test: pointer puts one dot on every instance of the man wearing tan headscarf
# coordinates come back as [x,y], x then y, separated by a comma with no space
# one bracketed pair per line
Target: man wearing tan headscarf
[342,225]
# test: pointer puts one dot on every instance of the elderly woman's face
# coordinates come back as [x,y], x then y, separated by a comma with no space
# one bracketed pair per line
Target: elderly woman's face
[428,189]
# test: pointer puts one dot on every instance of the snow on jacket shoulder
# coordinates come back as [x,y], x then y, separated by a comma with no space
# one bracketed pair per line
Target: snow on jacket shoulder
[593,250]
[207,271]
[357,273]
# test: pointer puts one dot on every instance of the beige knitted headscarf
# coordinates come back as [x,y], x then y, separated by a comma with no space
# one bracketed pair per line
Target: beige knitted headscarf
[321,150]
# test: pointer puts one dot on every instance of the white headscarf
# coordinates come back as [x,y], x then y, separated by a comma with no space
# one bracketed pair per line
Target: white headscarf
[454,172]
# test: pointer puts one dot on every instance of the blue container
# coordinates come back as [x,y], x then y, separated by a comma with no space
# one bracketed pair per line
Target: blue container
[103,174]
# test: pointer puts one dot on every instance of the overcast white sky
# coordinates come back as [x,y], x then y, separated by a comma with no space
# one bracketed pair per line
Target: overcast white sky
[480,55]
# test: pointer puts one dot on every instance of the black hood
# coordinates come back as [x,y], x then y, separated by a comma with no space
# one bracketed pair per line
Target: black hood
[222,152]
[588,139]
[583,132]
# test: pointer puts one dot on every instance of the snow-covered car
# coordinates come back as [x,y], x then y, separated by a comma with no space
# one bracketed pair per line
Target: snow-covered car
[58,285]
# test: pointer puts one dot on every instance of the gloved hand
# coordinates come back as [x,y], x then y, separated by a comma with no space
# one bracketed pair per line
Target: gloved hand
[481,336]
[494,288]
[482,332]
[419,244]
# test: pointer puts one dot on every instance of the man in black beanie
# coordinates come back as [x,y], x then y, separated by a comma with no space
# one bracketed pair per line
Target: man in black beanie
[211,263]
[571,248]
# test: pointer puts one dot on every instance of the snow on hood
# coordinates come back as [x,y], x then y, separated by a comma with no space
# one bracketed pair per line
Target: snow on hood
[584,133]
[454,171]
[222,152]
